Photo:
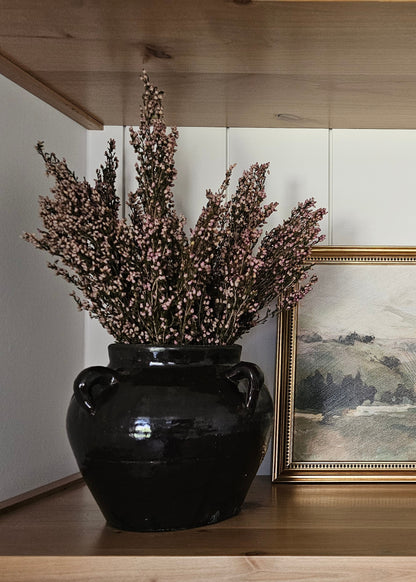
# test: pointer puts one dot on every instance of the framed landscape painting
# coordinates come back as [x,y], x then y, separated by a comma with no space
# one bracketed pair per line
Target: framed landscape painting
[346,371]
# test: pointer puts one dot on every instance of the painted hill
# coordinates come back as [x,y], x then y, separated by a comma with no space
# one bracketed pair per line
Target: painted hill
[349,370]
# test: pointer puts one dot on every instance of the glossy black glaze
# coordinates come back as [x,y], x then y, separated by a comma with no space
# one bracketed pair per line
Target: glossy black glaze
[167,437]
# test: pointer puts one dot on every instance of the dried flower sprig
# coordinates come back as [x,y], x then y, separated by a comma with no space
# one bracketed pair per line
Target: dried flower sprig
[143,278]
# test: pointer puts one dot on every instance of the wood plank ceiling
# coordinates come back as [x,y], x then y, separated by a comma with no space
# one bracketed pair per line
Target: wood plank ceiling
[238,63]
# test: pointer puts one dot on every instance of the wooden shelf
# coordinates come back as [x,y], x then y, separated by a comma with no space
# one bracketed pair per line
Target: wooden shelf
[294,532]
[237,63]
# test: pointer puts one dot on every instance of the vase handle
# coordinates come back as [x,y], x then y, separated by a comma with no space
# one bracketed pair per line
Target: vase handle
[87,380]
[255,377]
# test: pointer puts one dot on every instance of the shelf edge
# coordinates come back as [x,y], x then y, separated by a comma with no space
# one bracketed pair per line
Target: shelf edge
[38,492]
[25,79]
[220,568]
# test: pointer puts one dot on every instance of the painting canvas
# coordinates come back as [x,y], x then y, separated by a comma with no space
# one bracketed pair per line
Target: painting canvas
[352,404]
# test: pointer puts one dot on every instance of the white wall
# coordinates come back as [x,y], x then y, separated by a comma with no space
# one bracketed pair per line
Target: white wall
[298,170]
[373,187]
[41,339]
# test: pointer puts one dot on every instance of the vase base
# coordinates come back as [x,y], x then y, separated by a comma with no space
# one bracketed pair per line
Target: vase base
[168,496]
[142,527]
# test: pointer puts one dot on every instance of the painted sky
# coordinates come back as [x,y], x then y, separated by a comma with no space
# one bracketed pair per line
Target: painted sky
[376,299]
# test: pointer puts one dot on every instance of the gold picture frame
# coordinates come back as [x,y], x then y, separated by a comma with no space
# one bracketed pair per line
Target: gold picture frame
[345,395]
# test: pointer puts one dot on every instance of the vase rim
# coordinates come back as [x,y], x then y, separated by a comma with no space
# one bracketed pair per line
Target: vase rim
[154,355]
[176,347]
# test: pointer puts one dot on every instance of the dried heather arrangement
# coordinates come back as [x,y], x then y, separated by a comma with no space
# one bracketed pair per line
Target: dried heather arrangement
[143,278]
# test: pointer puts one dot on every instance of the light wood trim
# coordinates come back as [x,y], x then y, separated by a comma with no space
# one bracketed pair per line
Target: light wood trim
[328,64]
[218,568]
[28,81]
[39,492]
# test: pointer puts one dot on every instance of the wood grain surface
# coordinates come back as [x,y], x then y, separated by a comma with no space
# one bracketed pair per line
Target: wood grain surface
[199,569]
[236,63]
[284,532]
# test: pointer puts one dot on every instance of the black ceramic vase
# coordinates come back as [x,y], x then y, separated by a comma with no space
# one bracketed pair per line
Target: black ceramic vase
[168,437]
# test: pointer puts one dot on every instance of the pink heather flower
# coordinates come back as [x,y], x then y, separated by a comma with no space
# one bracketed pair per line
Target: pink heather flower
[142,277]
